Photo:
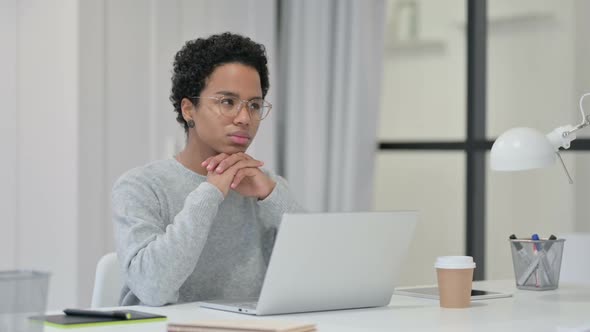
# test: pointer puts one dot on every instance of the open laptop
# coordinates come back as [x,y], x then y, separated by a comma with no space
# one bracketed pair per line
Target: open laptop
[330,261]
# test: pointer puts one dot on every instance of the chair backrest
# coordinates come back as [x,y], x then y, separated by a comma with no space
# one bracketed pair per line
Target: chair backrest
[107,283]
[575,264]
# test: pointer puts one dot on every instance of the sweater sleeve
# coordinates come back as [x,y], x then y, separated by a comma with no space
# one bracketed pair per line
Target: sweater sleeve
[280,201]
[157,256]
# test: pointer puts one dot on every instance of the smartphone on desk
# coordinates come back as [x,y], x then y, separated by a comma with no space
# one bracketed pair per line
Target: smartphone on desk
[431,292]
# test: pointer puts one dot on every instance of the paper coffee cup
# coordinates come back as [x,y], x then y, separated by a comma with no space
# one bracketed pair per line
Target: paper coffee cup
[455,277]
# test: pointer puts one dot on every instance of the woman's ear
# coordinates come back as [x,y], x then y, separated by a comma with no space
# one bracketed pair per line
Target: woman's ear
[186,106]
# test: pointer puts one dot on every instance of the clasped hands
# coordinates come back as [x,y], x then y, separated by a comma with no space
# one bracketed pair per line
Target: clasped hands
[238,172]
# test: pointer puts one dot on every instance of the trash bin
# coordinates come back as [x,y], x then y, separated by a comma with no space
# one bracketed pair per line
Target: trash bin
[22,294]
[537,263]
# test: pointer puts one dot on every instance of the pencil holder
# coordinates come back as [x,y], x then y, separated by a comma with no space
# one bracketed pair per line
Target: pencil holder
[537,263]
[23,294]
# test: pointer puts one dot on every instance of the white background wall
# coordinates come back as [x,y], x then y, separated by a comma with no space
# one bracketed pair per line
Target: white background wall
[8,124]
[39,119]
[84,97]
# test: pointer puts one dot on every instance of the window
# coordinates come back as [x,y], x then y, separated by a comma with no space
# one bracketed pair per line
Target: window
[458,74]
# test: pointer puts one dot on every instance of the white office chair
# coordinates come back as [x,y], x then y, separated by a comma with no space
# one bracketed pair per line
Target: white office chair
[107,282]
[575,264]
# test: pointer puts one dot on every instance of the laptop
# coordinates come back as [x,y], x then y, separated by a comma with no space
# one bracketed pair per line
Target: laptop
[330,261]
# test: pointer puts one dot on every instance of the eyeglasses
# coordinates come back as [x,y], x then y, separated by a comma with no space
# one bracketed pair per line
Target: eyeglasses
[230,106]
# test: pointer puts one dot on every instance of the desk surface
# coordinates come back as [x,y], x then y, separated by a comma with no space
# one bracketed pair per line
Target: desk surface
[558,310]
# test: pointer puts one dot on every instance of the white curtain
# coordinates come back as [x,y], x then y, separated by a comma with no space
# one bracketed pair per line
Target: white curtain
[330,60]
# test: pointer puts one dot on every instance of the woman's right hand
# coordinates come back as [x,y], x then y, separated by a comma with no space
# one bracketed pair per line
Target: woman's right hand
[222,169]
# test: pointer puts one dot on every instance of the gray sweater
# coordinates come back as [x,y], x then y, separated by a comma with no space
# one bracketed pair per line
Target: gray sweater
[179,240]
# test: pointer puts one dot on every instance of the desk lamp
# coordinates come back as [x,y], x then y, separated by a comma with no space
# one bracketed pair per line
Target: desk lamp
[526,148]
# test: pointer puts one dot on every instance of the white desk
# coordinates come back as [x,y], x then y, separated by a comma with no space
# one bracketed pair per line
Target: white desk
[558,310]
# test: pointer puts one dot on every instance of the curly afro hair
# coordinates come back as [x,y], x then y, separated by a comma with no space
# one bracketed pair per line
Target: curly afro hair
[198,58]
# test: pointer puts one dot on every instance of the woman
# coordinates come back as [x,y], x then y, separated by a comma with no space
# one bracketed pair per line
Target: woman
[201,225]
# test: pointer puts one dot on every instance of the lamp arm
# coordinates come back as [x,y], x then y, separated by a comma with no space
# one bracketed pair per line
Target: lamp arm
[584,116]
[585,123]
[561,137]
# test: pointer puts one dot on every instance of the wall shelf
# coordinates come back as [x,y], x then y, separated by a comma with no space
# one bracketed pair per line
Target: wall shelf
[518,18]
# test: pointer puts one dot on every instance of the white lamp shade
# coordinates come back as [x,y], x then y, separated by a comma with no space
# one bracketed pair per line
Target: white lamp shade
[521,149]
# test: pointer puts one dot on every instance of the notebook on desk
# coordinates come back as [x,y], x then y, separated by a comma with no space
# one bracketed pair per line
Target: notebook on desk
[241,326]
[330,261]
[68,322]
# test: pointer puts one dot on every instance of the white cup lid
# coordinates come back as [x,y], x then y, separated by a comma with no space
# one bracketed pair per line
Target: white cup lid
[454,262]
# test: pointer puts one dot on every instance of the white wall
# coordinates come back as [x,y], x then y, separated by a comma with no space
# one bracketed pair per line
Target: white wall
[84,97]
[93,232]
[38,116]
[8,132]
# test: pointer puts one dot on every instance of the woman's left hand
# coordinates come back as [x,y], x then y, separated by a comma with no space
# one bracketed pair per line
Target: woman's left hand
[250,182]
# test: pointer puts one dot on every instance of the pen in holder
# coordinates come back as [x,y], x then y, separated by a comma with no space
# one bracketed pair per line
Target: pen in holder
[537,263]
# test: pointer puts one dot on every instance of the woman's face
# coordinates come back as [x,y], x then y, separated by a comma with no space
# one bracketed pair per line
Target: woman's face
[218,132]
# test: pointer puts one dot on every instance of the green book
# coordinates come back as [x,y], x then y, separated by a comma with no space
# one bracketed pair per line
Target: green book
[70,322]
